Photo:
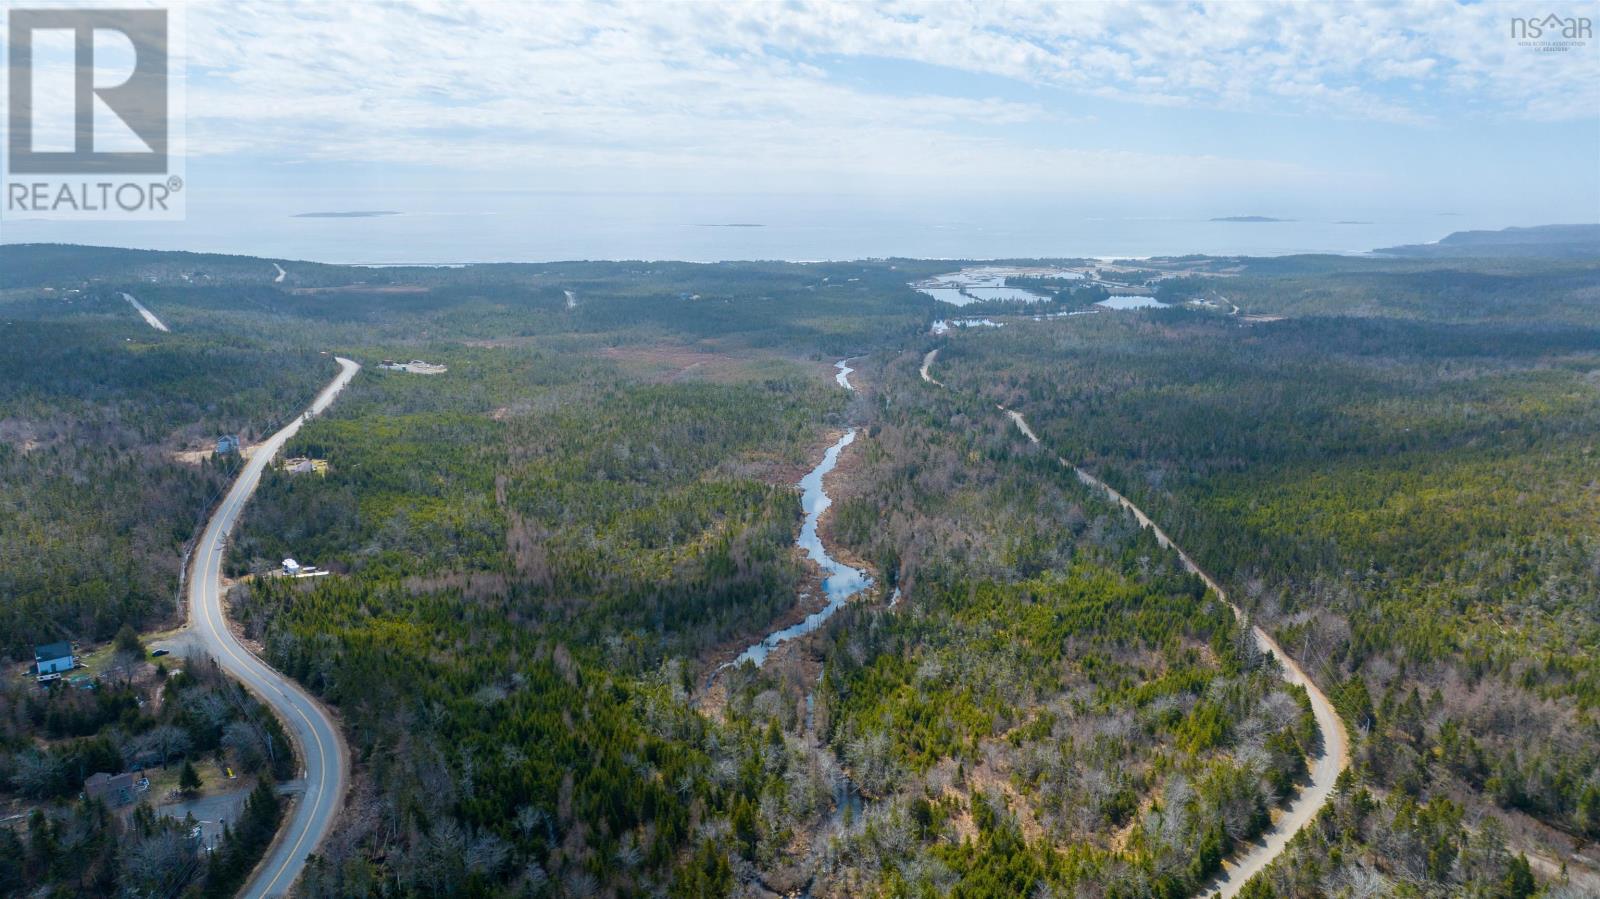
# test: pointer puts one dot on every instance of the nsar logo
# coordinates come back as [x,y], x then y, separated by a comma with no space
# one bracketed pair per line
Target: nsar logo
[1552,33]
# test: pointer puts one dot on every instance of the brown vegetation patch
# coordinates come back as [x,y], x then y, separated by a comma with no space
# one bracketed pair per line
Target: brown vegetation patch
[668,363]
[843,482]
[809,599]
[474,585]
[361,288]
[26,436]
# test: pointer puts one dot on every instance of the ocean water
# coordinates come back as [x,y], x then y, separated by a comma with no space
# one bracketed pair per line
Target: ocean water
[457,227]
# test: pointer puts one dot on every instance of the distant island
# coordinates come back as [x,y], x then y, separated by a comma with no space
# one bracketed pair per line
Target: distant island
[1549,241]
[1249,218]
[358,214]
[732,225]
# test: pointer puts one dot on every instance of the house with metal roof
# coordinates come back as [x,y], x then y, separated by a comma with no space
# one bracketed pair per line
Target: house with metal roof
[52,660]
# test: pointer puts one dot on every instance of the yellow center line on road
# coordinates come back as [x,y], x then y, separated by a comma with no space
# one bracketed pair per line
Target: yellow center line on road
[206,611]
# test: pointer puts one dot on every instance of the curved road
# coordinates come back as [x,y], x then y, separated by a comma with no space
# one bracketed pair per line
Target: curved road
[322,750]
[927,364]
[1325,767]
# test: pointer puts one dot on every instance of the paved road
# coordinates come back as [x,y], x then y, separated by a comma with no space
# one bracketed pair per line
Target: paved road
[149,317]
[322,751]
[1335,740]
[212,812]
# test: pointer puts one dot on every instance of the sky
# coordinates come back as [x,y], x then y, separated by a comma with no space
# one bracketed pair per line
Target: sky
[1304,110]
[1422,104]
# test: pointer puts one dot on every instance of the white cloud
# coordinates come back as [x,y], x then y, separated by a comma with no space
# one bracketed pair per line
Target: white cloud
[742,91]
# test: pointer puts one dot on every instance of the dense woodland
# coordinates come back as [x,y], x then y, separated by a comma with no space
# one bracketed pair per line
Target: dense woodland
[606,535]
[1054,704]
[1528,294]
[96,511]
[1408,504]
[541,555]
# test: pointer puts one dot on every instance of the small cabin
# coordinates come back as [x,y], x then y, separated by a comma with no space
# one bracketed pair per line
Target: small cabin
[291,568]
[112,789]
[227,443]
[52,660]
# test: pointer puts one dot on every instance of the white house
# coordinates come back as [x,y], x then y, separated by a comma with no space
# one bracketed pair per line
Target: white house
[291,567]
[52,660]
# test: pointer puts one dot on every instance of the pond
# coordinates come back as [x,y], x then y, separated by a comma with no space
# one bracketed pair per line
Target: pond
[1133,303]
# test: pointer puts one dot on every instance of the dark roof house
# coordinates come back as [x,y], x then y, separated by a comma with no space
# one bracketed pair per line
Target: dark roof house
[113,789]
[58,650]
[51,659]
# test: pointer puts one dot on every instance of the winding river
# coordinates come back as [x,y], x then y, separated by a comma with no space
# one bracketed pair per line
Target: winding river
[840,582]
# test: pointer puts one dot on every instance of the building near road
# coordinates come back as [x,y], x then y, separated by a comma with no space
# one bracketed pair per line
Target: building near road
[52,660]
[415,366]
[291,568]
[304,465]
[227,443]
[115,789]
